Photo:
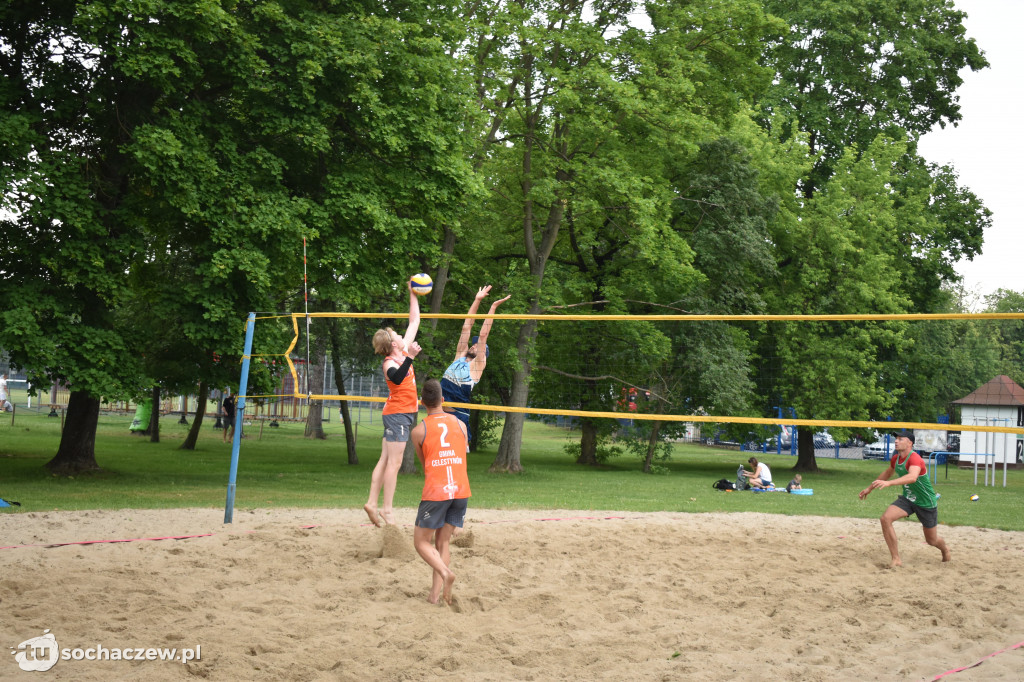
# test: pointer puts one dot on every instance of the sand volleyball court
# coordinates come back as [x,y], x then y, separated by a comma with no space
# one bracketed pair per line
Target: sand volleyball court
[554,595]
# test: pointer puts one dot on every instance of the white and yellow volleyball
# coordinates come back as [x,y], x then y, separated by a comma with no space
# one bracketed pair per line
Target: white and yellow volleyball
[421,284]
[974,498]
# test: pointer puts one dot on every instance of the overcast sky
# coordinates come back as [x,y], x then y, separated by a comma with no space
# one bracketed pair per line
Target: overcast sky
[987,147]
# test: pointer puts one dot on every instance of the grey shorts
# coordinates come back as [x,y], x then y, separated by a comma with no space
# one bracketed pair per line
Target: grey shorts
[929,518]
[433,514]
[397,427]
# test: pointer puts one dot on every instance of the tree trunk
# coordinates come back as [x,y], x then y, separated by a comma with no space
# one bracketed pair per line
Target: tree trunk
[197,423]
[441,274]
[652,446]
[154,417]
[507,459]
[474,430]
[339,381]
[588,442]
[315,379]
[77,450]
[805,461]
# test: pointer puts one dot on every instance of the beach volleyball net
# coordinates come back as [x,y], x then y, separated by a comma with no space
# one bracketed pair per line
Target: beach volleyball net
[745,374]
[747,379]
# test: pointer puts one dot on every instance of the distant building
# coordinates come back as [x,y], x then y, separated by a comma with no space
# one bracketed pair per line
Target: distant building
[999,402]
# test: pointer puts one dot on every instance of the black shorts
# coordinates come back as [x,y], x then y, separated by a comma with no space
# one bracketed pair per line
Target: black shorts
[929,518]
[435,514]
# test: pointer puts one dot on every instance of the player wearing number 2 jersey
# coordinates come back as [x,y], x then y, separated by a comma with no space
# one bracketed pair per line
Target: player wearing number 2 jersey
[440,442]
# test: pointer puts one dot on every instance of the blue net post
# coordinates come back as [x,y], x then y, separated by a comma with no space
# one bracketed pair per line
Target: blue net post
[236,441]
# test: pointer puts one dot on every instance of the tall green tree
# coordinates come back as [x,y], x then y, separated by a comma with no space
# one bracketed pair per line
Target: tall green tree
[583,109]
[848,70]
[1009,334]
[842,257]
[192,138]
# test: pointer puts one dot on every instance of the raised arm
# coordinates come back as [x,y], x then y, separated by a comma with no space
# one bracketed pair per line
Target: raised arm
[414,318]
[467,327]
[485,330]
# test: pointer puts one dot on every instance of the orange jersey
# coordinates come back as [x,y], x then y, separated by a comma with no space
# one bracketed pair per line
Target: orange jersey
[444,459]
[401,397]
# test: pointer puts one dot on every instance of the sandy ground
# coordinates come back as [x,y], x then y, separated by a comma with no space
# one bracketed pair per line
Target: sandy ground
[556,595]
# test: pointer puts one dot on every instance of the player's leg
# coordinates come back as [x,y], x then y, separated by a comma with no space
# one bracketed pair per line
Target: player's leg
[424,538]
[454,518]
[894,512]
[931,536]
[442,542]
[930,525]
[394,452]
[376,482]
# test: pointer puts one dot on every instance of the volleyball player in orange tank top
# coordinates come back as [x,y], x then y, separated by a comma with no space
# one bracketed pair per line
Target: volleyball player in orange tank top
[440,442]
[399,413]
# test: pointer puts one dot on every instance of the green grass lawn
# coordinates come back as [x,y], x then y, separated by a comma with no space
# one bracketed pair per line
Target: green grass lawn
[281,468]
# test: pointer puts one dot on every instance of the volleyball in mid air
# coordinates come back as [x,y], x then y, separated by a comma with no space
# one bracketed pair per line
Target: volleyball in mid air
[974,498]
[421,284]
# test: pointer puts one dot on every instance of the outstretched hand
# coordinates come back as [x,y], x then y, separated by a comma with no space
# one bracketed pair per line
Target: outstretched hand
[875,485]
[494,306]
[482,292]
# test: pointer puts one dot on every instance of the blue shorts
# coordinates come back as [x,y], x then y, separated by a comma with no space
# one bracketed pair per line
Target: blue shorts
[463,416]
[435,514]
[397,427]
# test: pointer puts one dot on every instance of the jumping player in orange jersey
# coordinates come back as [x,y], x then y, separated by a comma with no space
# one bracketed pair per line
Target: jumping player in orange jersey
[440,442]
[400,410]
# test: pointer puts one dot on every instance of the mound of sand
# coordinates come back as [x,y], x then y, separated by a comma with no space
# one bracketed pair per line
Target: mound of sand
[558,595]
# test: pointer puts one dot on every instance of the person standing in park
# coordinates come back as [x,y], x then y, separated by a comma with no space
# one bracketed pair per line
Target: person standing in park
[5,404]
[229,416]
[440,441]
[400,410]
[918,497]
[470,360]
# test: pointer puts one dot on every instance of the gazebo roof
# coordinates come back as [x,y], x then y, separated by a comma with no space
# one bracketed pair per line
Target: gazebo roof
[999,391]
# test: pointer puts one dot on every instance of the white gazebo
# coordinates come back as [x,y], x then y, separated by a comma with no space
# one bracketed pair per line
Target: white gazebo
[999,402]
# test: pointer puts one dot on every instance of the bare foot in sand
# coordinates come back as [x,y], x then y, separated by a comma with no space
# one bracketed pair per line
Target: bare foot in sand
[896,563]
[388,517]
[372,513]
[946,556]
[448,582]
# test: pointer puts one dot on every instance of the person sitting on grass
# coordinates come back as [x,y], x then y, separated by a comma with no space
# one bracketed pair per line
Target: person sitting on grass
[761,476]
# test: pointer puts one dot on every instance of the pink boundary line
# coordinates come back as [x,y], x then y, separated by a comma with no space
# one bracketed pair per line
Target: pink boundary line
[305,527]
[100,542]
[972,665]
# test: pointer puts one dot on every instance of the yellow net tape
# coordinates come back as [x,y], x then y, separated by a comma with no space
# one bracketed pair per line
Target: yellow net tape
[688,417]
[887,425]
